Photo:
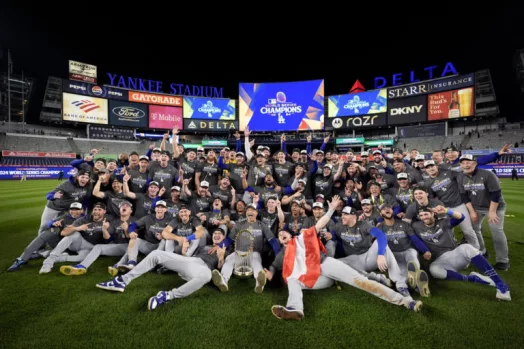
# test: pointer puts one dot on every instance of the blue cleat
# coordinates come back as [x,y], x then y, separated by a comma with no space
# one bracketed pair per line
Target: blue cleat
[117,284]
[159,299]
[17,264]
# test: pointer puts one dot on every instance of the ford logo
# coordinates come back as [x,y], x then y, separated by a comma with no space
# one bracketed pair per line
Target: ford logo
[129,112]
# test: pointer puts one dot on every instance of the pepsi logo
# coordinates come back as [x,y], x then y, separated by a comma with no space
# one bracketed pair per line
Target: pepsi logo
[97,90]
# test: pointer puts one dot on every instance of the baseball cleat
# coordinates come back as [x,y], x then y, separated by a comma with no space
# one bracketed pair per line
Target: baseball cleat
[285,313]
[261,281]
[112,270]
[218,280]
[384,280]
[117,284]
[159,299]
[423,283]
[45,269]
[412,274]
[127,267]
[503,296]
[17,264]
[484,279]
[416,306]
[73,270]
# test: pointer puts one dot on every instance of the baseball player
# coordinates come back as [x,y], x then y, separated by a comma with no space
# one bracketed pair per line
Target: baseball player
[117,248]
[81,237]
[50,236]
[195,270]
[321,271]
[260,231]
[400,241]
[448,258]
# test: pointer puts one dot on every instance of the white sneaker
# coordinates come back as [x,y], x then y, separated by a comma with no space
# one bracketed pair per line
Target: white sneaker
[261,281]
[218,280]
[45,269]
[506,296]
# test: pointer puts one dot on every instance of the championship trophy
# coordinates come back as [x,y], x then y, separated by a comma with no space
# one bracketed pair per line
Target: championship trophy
[244,241]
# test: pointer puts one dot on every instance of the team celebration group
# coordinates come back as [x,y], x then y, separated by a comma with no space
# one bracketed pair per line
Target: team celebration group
[315,217]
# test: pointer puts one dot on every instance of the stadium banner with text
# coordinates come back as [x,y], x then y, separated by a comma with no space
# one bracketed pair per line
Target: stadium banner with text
[491,150]
[209,108]
[82,71]
[282,106]
[369,102]
[164,117]
[153,98]
[35,172]
[86,109]
[427,130]
[407,110]
[453,83]
[418,88]
[451,104]
[128,114]
[103,132]
[214,142]
[210,125]
[38,154]
[355,122]
[93,90]
[504,170]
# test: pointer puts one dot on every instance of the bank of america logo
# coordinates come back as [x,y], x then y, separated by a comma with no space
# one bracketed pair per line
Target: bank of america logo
[86,105]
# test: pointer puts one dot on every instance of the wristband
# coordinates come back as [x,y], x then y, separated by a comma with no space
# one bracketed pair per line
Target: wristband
[191,237]
[450,212]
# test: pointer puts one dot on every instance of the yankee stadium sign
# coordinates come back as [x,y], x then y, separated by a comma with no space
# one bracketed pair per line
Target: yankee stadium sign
[157,86]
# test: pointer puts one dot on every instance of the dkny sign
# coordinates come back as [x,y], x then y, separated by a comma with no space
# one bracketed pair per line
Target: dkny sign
[407,110]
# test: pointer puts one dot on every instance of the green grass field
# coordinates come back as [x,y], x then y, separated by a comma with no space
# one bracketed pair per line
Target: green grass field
[55,311]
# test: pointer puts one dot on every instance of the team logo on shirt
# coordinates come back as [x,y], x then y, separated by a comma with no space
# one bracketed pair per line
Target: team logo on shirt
[431,236]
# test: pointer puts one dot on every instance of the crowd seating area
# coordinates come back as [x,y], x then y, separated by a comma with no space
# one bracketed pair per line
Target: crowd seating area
[45,162]
[494,139]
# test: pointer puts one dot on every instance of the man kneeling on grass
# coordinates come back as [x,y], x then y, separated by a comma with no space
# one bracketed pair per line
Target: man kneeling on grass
[305,265]
[195,270]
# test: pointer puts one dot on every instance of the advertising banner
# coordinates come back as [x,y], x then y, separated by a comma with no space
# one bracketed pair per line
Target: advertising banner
[38,154]
[407,110]
[128,114]
[103,132]
[82,71]
[419,88]
[93,90]
[209,108]
[427,130]
[453,83]
[451,104]
[356,122]
[282,106]
[78,108]
[358,140]
[210,125]
[504,170]
[165,117]
[369,102]
[214,142]
[32,172]
[152,98]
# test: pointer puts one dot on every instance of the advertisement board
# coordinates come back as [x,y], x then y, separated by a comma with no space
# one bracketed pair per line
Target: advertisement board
[407,110]
[504,170]
[86,109]
[209,108]
[453,83]
[451,104]
[32,172]
[369,102]
[419,88]
[152,98]
[427,130]
[282,106]
[82,71]
[38,154]
[93,90]
[164,117]
[128,114]
[210,125]
[355,122]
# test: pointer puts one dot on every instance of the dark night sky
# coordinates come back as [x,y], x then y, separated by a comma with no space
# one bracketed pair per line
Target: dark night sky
[220,50]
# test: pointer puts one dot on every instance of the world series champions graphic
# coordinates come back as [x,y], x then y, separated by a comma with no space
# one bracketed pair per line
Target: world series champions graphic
[287,106]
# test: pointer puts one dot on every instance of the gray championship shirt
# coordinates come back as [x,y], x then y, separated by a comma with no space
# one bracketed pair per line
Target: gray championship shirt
[438,238]
[356,240]
[93,234]
[260,231]
[71,193]
[211,260]
[412,210]
[478,188]
[397,234]
[152,227]
[184,229]
[445,188]
[116,231]
[138,181]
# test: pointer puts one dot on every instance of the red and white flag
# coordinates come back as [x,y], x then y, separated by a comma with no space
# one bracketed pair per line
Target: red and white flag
[302,258]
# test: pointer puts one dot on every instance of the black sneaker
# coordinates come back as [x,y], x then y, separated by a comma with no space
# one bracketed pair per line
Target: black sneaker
[502,266]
